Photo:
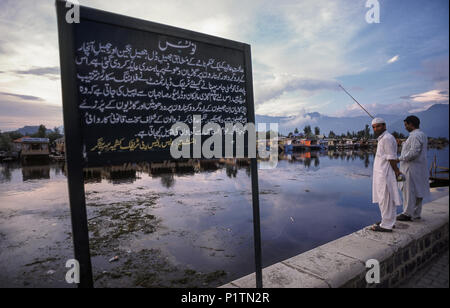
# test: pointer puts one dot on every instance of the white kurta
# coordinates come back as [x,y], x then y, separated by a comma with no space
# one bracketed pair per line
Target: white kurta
[384,185]
[413,164]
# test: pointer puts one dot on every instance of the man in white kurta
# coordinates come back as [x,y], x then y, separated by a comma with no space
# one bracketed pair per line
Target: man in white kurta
[384,188]
[413,164]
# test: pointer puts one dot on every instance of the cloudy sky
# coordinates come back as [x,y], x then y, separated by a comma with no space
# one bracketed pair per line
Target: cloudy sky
[300,50]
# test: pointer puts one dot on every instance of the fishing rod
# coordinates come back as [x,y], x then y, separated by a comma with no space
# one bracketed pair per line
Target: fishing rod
[356,102]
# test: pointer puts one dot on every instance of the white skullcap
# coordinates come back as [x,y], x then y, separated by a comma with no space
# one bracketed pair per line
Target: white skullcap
[378,121]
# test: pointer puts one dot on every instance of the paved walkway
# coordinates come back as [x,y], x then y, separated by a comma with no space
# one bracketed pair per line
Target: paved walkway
[434,275]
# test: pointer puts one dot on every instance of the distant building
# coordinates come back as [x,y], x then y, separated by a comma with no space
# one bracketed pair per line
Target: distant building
[60,145]
[32,147]
[331,143]
[17,144]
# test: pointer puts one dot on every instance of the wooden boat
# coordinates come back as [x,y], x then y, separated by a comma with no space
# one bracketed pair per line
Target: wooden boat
[439,176]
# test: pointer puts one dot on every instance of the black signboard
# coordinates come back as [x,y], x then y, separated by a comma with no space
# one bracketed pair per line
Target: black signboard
[126,81]
[135,79]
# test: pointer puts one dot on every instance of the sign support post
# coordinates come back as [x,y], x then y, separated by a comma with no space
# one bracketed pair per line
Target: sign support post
[256,223]
[254,174]
[74,150]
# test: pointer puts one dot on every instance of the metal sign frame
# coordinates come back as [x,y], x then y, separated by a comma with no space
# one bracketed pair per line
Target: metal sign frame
[73,132]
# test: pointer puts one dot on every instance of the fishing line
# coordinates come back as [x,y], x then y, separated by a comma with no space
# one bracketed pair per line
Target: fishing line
[356,102]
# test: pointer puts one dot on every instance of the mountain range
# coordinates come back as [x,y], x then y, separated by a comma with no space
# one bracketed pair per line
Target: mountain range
[30,130]
[434,122]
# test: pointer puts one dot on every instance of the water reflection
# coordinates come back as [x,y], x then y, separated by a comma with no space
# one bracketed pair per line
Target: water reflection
[194,216]
[29,172]
[35,172]
[5,173]
[130,173]
[312,159]
[167,180]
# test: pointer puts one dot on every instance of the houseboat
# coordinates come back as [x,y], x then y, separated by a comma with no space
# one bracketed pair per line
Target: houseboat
[33,148]
[348,144]
[305,144]
[331,144]
[287,145]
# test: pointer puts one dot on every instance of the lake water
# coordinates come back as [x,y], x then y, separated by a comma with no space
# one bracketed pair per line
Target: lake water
[192,227]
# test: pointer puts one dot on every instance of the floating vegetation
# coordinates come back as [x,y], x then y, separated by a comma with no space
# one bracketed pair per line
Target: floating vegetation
[115,221]
[149,268]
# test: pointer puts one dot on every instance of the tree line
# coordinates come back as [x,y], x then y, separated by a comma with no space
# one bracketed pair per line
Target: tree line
[7,138]
[362,134]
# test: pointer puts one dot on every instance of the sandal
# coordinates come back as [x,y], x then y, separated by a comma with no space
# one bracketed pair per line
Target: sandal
[377,228]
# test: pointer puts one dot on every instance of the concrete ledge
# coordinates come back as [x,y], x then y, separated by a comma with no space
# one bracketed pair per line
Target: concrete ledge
[341,263]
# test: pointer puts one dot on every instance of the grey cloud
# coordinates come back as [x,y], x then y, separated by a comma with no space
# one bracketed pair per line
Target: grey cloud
[311,85]
[29,110]
[39,71]
[286,85]
[49,72]
[19,110]
[22,97]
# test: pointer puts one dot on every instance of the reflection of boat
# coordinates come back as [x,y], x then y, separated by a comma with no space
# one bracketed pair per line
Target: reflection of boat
[305,155]
[35,172]
[307,158]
